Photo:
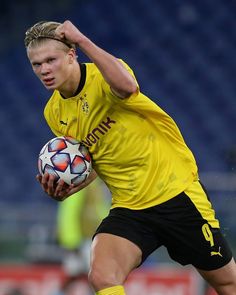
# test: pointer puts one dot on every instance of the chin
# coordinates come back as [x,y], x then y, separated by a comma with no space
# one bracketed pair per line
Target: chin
[50,87]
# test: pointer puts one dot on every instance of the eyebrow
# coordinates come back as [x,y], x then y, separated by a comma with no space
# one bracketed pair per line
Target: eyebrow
[35,62]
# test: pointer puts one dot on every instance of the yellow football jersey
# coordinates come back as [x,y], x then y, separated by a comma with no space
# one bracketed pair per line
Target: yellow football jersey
[136,147]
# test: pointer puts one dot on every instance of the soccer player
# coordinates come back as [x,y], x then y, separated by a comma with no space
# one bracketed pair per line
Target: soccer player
[139,152]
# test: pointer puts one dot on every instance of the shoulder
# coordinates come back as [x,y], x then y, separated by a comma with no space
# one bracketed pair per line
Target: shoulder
[94,78]
[91,68]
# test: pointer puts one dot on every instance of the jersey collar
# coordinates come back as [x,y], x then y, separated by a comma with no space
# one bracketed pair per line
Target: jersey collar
[82,78]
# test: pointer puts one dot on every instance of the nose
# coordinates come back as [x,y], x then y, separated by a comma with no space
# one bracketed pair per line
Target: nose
[45,68]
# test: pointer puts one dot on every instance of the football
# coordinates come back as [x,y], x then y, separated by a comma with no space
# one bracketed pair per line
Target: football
[65,158]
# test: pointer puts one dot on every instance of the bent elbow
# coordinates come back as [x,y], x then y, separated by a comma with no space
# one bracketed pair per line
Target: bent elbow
[127,90]
[132,89]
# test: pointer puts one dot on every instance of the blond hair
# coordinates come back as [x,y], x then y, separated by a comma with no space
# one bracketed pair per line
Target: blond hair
[41,31]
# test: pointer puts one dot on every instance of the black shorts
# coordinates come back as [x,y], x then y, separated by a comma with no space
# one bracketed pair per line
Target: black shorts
[185,225]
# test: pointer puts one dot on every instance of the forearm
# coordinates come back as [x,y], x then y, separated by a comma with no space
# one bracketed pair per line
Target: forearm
[113,71]
[116,75]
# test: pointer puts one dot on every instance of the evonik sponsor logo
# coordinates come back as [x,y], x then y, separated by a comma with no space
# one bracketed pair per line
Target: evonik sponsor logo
[98,132]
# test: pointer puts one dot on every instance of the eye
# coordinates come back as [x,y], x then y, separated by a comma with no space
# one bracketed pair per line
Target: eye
[51,59]
[36,65]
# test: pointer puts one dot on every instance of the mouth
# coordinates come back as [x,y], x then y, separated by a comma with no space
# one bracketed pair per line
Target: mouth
[48,81]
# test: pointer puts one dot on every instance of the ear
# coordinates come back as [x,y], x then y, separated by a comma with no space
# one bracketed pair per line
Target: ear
[72,55]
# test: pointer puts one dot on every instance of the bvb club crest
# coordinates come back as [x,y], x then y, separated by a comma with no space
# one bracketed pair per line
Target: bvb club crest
[85,105]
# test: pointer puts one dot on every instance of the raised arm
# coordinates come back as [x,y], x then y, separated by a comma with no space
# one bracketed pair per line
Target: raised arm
[116,75]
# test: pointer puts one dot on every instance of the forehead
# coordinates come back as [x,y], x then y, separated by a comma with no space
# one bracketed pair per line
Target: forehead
[44,49]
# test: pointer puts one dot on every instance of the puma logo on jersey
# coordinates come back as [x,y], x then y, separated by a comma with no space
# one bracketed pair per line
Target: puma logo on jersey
[214,253]
[99,131]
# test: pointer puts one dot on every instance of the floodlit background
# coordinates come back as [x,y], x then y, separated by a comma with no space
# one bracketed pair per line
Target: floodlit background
[183,54]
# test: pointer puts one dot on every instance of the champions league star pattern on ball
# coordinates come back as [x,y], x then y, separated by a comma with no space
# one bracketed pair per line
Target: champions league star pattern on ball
[66,159]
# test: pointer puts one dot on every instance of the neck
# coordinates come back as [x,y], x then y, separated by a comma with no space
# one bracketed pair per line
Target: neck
[69,88]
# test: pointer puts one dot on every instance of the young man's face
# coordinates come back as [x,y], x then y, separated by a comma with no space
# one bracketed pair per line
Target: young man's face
[51,63]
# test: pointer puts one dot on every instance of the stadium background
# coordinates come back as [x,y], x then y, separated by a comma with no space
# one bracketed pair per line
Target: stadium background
[183,54]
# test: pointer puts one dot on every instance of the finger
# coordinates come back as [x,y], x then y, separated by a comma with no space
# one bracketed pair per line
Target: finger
[72,189]
[58,198]
[62,193]
[59,187]
[44,181]
[50,184]
[68,191]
